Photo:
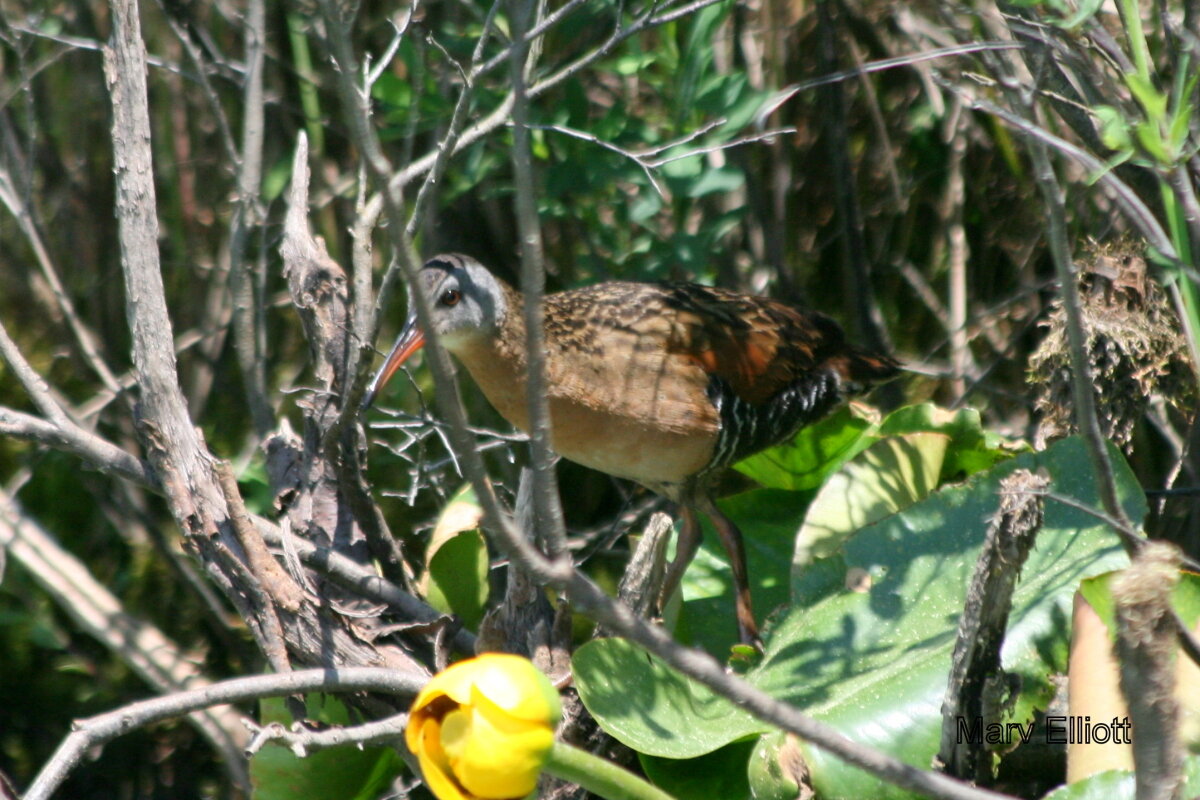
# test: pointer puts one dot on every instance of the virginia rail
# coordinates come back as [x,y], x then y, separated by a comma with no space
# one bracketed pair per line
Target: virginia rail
[661,383]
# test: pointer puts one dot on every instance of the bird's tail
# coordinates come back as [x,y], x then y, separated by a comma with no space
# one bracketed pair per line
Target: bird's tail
[859,370]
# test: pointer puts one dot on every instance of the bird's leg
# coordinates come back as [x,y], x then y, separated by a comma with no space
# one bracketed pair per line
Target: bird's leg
[685,550]
[731,538]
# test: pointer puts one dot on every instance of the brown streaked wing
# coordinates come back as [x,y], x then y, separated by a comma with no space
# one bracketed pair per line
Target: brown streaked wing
[757,345]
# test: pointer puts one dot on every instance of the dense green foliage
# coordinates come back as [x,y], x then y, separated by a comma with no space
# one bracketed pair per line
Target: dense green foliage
[901,201]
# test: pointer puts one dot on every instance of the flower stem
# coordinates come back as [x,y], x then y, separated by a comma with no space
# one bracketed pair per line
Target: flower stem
[598,776]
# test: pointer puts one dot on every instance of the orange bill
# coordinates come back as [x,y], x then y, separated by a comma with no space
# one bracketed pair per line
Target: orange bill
[410,340]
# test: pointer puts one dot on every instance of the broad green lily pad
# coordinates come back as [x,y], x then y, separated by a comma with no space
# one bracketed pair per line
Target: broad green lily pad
[972,449]
[719,774]
[645,704]
[873,660]
[1121,785]
[890,475]
[815,452]
[866,646]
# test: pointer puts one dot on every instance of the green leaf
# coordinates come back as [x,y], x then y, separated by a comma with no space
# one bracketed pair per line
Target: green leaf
[1112,785]
[650,707]
[393,90]
[680,170]
[1150,138]
[872,660]
[881,650]
[633,63]
[275,178]
[730,97]
[814,453]
[970,450]
[820,449]
[890,475]
[1121,785]
[769,521]
[720,774]
[1087,10]
[1153,102]
[716,181]
[770,776]
[698,53]
[344,772]
[256,490]
[455,580]
[458,578]
[1180,126]
[647,204]
[1114,128]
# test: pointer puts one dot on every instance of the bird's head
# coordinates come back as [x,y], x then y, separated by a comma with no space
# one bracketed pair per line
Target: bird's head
[467,302]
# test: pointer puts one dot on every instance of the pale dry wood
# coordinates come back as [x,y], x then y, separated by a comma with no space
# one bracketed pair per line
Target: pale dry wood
[1146,640]
[185,469]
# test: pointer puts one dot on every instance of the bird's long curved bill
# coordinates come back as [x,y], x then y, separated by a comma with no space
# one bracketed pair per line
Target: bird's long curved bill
[410,340]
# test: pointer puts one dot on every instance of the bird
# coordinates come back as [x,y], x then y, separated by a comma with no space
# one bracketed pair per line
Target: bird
[665,384]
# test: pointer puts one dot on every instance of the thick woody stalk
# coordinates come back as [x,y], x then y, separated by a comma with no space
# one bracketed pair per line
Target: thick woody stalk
[976,665]
[1146,641]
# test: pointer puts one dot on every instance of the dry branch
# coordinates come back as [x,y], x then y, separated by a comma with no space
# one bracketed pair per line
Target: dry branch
[1146,637]
[976,670]
[97,731]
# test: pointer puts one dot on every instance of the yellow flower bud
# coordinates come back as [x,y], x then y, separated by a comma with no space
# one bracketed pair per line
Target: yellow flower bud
[482,728]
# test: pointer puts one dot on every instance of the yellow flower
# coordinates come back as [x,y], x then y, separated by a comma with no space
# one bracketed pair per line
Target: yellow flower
[482,729]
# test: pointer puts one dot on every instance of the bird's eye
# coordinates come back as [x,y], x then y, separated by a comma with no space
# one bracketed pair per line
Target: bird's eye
[450,297]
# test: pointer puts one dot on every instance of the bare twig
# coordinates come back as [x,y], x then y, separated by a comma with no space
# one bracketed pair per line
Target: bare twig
[547,506]
[303,741]
[83,335]
[401,28]
[592,600]
[1137,211]
[33,383]
[100,453]
[1130,537]
[458,118]
[877,66]
[390,200]
[446,147]
[317,285]
[641,583]
[867,320]
[499,116]
[146,311]
[99,730]
[83,43]
[196,56]
[957,251]
[645,159]
[559,573]
[248,321]
[184,468]
[280,586]
[1082,389]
